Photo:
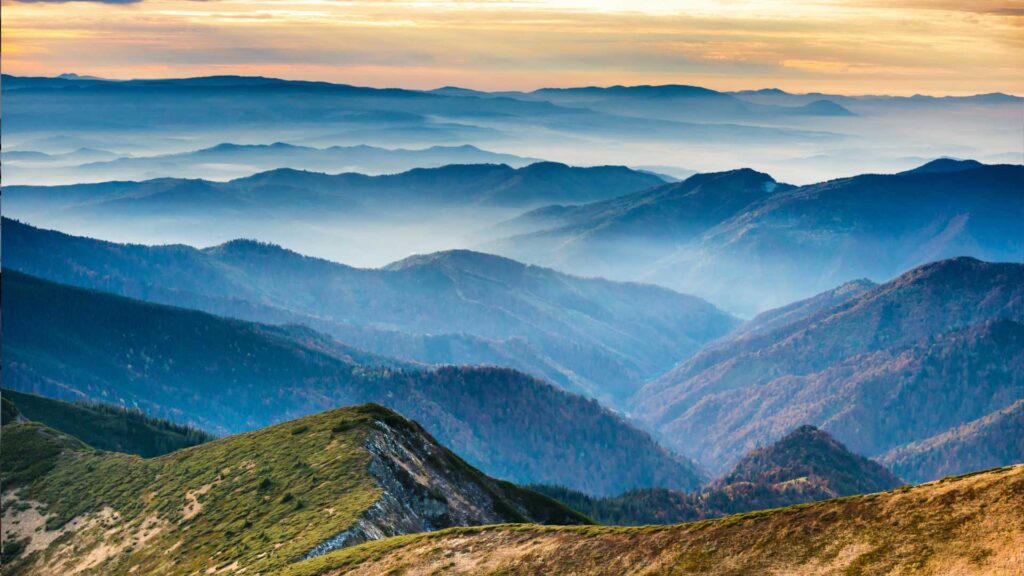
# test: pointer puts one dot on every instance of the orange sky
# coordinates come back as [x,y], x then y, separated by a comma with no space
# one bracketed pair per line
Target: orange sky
[845,46]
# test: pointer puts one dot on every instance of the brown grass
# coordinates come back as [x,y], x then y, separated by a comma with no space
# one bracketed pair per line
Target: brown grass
[970,525]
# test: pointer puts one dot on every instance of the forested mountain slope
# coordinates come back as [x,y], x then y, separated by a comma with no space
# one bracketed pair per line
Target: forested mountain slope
[106,426]
[230,376]
[937,347]
[591,336]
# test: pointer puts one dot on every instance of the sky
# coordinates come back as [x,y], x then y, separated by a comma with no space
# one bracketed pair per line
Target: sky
[940,47]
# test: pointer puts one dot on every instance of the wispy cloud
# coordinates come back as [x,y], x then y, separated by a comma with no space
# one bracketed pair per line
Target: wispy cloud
[852,46]
[66,1]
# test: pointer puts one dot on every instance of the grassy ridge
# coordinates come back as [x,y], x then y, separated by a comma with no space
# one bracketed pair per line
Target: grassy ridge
[970,525]
[255,502]
[265,497]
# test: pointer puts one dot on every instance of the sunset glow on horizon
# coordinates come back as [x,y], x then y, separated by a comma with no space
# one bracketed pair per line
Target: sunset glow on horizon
[842,46]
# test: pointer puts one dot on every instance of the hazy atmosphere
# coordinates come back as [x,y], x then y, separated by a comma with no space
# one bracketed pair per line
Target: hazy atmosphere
[519,287]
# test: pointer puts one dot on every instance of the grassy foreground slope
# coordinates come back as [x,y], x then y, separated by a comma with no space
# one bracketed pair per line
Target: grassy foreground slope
[254,502]
[965,525]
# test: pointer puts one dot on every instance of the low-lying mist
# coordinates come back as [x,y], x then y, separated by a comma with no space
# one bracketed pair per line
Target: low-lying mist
[357,241]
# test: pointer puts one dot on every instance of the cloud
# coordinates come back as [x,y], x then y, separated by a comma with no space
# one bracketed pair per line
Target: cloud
[850,46]
[68,1]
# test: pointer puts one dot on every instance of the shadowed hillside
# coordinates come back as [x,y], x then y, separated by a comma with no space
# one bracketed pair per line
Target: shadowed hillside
[106,426]
[935,348]
[993,439]
[588,336]
[230,376]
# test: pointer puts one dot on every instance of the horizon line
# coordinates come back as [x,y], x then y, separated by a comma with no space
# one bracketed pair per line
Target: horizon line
[88,77]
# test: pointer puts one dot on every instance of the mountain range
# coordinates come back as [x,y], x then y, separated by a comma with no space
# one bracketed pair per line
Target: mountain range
[987,442]
[227,161]
[676,102]
[230,376]
[943,342]
[849,360]
[350,217]
[798,137]
[586,335]
[535,359]
[750,243]
[699,102]
[342,111]
[740,239]
[295,192]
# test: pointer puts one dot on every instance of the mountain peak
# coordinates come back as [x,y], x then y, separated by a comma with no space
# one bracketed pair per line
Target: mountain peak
[945,165]
[745,177]
[959,269]
[243,246]
[458,258]
[824,107]
[811,453]
[857,285]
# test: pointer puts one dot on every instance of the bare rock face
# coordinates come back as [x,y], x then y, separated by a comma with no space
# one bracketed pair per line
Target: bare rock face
[426,487]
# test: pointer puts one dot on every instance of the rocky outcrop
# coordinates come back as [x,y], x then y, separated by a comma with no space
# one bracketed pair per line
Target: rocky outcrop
[426,487]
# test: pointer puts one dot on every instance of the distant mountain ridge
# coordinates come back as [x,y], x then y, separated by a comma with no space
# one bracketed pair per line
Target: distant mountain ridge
[804,466]
[801,309]
[752,249]
[675,101]
[227,161]
[230,376]
[945,165]
[586,335]
[290,191]
[372,115]
[797,137]
[942,342]
[684,101]
[622,236]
